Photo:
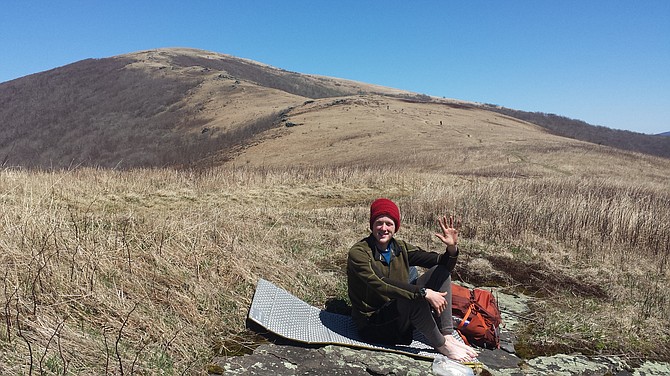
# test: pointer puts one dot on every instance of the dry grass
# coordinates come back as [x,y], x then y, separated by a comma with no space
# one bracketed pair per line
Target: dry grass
[150,271]
[595,252]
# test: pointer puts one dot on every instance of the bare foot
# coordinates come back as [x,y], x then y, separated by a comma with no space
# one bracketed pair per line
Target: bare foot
[472,353]
[453,352]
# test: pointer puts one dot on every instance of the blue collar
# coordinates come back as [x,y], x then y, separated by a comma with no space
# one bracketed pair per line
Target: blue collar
[387,253]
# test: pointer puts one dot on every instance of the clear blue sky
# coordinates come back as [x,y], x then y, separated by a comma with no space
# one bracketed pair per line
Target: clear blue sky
[604,62]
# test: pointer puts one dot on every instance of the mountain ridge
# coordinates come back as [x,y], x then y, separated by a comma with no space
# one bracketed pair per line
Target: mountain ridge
[181,107]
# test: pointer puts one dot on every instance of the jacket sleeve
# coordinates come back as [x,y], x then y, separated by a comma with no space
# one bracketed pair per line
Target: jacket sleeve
[360,265]
[426,259]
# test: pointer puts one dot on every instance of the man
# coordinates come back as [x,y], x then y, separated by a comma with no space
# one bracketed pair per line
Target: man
[386,305]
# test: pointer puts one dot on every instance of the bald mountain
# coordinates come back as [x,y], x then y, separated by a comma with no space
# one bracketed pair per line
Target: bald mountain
[184,107]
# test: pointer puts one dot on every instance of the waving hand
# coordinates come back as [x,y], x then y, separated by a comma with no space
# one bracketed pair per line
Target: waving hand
[449,235]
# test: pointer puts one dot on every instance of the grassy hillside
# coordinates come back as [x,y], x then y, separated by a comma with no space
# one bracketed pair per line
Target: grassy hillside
[377,130]
[128,112]
[580,130]
[170,107]
[185,108]
[153,270]
[167,182]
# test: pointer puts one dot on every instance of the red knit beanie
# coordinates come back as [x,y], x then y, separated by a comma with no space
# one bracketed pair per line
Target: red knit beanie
[384,206]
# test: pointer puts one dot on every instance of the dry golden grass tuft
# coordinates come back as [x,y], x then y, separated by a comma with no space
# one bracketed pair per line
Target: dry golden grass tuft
[150,271]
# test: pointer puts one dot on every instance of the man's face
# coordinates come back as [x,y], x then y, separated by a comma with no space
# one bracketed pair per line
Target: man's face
[383,229]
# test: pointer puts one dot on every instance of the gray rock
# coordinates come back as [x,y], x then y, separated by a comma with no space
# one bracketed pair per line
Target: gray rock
[652,369]
[574,365]
[279,360]
[276,360]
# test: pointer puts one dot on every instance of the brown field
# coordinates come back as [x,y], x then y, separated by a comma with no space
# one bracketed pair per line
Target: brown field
[146,270]
[154,206]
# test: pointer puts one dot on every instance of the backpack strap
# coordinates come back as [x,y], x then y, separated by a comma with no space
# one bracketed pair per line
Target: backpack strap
[465,317]
[462,323]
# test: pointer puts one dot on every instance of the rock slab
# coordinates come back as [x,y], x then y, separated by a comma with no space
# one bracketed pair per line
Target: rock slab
[278,360]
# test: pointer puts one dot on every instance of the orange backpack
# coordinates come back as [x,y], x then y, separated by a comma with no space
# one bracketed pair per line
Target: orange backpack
[478,316]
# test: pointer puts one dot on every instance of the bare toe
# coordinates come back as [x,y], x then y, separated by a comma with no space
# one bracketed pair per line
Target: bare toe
[471,353]
[453,352]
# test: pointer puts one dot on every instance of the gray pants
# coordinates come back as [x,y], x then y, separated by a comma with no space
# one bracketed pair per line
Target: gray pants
[419,314]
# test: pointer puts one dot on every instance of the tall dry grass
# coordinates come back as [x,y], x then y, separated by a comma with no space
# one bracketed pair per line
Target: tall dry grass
[597,251]
[153,271]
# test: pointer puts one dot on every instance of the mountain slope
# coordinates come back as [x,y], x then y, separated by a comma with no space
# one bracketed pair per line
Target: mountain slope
[151,108]
[185,107]
[386,132]
[117,111]
[579,130]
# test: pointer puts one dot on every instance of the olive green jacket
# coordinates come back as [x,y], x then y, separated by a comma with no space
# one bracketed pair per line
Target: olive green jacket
[372,282]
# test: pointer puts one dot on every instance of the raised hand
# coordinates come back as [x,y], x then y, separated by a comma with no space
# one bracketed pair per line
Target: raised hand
[449,235]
